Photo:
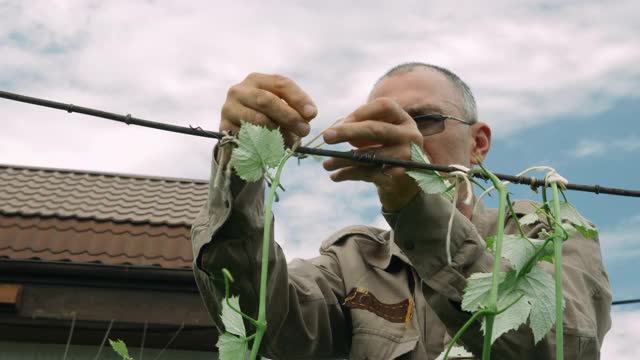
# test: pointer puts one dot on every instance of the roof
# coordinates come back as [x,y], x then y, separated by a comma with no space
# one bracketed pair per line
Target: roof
[79,216]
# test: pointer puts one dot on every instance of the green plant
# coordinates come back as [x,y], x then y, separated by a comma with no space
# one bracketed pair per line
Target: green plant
[505,300]
[501,300]
[259,151]
[120,348]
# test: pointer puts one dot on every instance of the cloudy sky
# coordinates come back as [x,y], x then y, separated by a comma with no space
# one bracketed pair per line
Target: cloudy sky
[559,84]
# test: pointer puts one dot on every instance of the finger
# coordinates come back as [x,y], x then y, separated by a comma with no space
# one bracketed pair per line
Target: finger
[273,107]
[289,138]
[234,113]
[370,132]
[383,109]
[226,125]
[376,175]
[287,90]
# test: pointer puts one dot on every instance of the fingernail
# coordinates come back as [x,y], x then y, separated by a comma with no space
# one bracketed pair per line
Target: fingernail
[309,110]
[303,129]
[330,136]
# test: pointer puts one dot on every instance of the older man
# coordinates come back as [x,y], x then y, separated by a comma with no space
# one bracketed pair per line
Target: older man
[374,294]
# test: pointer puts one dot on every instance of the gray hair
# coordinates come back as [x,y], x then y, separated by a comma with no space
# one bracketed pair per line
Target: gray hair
[468,101]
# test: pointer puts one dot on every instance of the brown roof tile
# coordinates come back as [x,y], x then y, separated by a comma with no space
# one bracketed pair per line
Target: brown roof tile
[90,241]
[63,215]
[119,198]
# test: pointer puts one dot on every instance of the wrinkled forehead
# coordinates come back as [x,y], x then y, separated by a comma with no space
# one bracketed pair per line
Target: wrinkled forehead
[420,90]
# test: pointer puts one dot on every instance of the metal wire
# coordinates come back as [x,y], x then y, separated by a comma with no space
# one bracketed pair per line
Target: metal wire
[170,341]
[350,155]
[625,302]
[104,340]
[73,326]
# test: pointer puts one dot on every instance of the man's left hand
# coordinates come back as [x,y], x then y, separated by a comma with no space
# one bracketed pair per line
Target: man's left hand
[383,127]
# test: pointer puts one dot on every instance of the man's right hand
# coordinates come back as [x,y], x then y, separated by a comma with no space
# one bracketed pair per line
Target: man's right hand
[258,99]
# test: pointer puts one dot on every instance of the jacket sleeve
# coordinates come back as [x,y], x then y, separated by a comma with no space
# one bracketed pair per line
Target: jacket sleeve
[420,231]
[304,315]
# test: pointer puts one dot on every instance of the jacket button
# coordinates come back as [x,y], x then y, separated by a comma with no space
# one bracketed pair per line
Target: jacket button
[409,245]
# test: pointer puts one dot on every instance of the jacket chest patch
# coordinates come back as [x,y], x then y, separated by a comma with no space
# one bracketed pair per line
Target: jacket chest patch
[360,298]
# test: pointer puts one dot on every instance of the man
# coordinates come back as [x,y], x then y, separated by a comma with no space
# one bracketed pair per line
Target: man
[374,294]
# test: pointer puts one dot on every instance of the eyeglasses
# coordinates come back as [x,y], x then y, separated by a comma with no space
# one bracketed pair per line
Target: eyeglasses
[432,124]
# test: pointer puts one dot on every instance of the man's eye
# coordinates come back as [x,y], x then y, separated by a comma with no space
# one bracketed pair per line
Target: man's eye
[428,118]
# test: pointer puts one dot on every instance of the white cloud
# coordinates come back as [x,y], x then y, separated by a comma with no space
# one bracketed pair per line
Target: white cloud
[621,343]
[586,148]
[621,240]
[173,61]
[597,147]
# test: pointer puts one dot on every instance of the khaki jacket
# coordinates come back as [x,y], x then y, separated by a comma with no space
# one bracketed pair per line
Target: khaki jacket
[375,294]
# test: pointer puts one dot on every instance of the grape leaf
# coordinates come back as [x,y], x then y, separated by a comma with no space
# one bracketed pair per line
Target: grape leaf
[456,352]
[547,253]
[490,240]
[511,318]
[232,320]
[517,250]
[476,293]
[529,219]
[539,289]
[428,180]
[231,347]
[120,348]
[476,297]
[258,149]
[584,226]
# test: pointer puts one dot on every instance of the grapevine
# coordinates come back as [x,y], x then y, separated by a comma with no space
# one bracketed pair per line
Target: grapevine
[501,300]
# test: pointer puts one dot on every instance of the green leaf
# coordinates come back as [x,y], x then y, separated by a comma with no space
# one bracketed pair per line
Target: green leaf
[476,297]
[232,321]
[490,240]
[258,149]
[529,219]
[544,234]
[539,289]
[537,304]
[231,347]
[584,226]
[120,348]
[429,181]
[476,293]
[547,253]
[456,352]
[511,318]
[517,250]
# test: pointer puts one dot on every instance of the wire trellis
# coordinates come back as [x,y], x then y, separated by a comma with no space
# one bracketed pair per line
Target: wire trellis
[350,155]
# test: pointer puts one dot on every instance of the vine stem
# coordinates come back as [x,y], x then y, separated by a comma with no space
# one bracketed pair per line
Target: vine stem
[557,257]
[497,254]
[261,324]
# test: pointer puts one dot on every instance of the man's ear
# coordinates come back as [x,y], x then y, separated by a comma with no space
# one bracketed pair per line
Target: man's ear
[481,137]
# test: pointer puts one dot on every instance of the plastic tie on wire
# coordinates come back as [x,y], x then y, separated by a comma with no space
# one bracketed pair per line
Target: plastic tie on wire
[228,137]
[554,177]
[70,108]
[127,119]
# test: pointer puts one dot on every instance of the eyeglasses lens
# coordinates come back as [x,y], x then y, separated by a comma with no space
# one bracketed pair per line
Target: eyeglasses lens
[430,125]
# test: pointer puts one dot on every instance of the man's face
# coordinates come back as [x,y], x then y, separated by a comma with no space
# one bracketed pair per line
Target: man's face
[426,91]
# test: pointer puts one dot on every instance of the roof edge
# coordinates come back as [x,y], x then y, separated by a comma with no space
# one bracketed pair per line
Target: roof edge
[98,275]
[104,173]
